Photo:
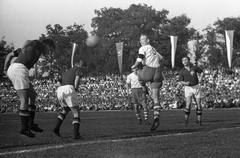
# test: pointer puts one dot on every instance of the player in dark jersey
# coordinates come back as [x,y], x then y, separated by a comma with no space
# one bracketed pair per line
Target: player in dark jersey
[188,77]
[18,73]
[67,97]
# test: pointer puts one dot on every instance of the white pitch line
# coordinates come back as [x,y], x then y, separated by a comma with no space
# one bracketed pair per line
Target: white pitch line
[107,141]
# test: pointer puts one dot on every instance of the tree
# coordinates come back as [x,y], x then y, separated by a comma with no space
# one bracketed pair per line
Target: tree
[5,48]
[60,60]
[115,25]
[177,26]
[229,23]
[214,47]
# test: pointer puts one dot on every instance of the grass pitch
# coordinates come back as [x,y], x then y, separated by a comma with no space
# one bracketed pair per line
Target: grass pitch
[116,134]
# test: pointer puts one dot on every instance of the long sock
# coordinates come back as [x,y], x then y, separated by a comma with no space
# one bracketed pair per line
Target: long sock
[60,120]
[187,113]
[138,116]
[32,109]
[76,126]
[24,115]
[156,112]
[145,115]
[199,114]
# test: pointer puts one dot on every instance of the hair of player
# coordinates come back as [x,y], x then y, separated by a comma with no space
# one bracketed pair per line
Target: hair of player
[48,42]
[186,57]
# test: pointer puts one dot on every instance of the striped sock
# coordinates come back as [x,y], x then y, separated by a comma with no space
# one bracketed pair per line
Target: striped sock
[145,115]
[156,112]
[138,116]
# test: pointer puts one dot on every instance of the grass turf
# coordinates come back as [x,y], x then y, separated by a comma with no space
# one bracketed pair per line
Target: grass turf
[117,134]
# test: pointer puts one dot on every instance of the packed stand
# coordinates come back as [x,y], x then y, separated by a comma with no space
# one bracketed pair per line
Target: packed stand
[108,92]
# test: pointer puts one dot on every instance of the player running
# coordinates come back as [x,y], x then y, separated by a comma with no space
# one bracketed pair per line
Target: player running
[151,72]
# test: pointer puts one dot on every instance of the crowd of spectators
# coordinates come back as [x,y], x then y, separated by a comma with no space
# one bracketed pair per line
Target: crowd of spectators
[221,90]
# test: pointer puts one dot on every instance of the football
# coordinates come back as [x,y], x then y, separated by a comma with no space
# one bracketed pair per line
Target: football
[92,41]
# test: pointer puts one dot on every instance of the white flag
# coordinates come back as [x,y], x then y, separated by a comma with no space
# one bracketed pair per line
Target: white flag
[173,50]
[119,47]
[229,43]
[73,53]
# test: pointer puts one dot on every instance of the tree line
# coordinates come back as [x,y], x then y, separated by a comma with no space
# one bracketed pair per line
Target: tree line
[115,25]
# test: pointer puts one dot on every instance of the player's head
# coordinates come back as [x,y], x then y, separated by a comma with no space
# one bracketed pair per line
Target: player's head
[135,70]
[144,40]
[185,60]
[49,43]
[79,63]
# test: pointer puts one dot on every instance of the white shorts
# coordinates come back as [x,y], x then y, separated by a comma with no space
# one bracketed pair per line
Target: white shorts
[67,96]
[193,91]
[19,75]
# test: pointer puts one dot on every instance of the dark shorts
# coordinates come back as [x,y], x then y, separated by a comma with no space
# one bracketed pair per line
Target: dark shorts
[152,75]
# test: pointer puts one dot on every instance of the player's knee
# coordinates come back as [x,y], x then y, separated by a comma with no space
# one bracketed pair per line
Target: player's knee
[66,110]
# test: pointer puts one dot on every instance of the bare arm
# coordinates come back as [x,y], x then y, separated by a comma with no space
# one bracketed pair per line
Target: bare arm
[135,65]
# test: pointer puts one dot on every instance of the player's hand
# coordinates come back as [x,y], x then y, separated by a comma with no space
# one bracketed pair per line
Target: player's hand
[133,67]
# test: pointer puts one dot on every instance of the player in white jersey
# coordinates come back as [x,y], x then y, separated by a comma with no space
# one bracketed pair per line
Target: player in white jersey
[151,72]
[138,97]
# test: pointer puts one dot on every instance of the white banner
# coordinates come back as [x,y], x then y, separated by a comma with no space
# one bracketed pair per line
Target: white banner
[73,52]
[229,42]
[173,50]
[119,47]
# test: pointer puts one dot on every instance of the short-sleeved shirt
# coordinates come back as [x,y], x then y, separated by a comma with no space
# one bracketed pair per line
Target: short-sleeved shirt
[30,53]
[191,76]
[68,77]
[151,57]
[133,80]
